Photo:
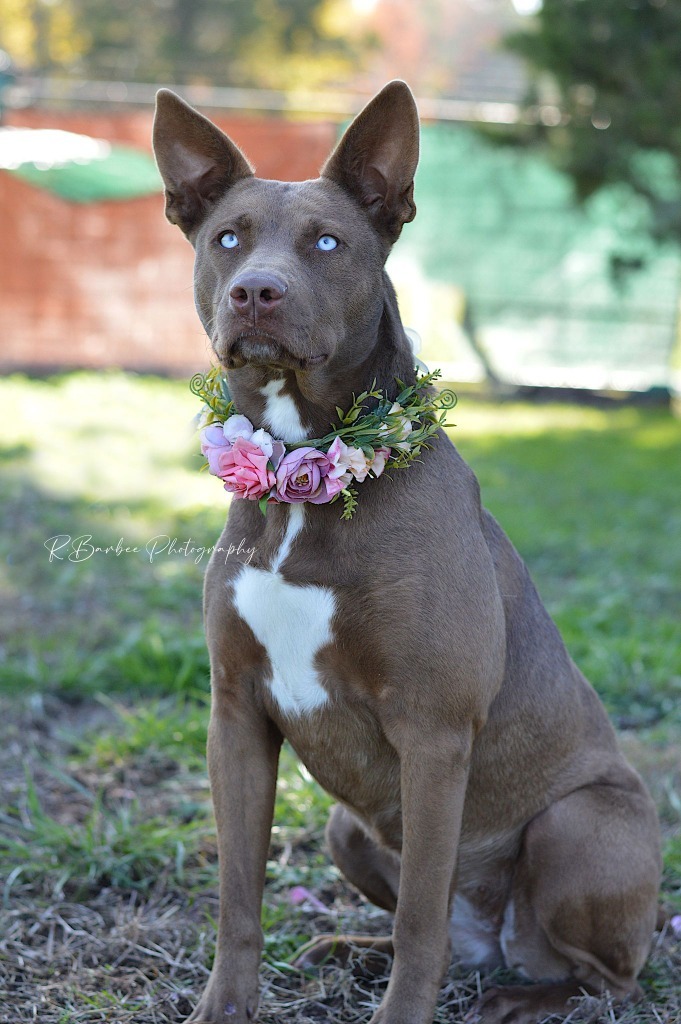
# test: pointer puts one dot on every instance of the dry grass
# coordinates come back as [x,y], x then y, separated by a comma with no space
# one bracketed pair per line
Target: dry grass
[122,959]
[143,956]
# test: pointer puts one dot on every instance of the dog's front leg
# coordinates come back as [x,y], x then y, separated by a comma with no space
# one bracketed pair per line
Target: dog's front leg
[434,774]
[243,751]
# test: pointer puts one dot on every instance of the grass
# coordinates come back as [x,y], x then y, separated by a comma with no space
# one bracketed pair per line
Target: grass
[107,850]
[121,848]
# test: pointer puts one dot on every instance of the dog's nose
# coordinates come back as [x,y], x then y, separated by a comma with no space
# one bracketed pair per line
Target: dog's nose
[256,291]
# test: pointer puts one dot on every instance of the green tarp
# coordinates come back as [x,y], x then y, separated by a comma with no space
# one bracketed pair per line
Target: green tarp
[124,173]
[558,294]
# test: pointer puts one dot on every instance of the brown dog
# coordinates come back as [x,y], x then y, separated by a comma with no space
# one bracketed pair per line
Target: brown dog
[406,654]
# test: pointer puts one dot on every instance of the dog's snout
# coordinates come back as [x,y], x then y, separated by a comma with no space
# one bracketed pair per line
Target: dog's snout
[257,292]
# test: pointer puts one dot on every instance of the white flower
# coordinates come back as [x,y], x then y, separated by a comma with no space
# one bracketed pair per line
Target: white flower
[263,440]
[400,427]
[377,464]
[238,426]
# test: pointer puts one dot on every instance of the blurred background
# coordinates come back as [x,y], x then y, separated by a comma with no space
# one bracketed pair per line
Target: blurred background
[546,250]
[543,275]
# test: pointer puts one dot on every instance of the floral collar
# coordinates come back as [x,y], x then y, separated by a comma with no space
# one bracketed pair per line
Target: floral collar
[252,464]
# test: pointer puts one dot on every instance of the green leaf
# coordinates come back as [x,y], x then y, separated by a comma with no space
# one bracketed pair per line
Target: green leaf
[262,504]
[349,495]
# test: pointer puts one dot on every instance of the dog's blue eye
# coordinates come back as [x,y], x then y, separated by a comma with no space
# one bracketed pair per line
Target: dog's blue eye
[326,243]
[229,240]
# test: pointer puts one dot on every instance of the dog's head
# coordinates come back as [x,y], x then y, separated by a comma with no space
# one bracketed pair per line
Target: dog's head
[288,274]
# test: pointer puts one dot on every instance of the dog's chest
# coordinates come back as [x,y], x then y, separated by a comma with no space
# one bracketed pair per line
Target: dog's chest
[292,622]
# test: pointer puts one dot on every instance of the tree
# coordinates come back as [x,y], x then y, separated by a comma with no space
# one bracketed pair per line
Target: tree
[613,68]
[267,43]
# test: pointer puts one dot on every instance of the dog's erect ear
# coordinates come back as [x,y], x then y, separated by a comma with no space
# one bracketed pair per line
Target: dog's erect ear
[198,163]
[376,158]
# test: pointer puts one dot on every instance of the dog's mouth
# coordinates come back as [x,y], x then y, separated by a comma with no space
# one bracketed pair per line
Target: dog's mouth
[257,348]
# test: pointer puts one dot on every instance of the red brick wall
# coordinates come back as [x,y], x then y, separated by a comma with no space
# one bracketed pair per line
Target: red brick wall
[109,284]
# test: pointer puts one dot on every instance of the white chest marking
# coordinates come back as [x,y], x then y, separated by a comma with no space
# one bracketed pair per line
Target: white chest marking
[292,622]
[281,413]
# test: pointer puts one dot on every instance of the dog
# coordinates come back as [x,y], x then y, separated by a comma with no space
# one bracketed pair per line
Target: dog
[405,655]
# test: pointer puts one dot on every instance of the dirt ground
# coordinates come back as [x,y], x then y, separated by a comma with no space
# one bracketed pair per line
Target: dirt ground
[125,956]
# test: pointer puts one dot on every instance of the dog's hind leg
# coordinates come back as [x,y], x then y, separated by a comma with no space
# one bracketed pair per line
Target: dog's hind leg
[583,905]
[372,869]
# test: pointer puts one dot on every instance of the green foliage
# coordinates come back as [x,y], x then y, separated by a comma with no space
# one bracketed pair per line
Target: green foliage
[175,727]
[213,390]
[349,496]
[145,657]
[672,871]
[602,540]
[616,70]
[426,410]
[270,43]
[301,805]
[117,847]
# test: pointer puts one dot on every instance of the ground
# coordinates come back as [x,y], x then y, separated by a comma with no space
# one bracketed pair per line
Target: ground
[107,847]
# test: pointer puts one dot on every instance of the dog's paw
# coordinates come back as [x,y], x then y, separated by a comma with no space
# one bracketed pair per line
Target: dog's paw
[500,1006]
[219,1005]
[523,1004]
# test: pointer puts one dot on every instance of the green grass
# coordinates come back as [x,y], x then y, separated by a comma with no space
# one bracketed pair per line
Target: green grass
[590,497]
[115,458]
[118,847]
[104,673]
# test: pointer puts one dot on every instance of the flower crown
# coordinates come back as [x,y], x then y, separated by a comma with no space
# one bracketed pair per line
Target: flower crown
[252,464]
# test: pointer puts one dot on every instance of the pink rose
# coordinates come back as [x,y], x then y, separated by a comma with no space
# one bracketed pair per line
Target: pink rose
[244,470]
[213,444]
[301,476]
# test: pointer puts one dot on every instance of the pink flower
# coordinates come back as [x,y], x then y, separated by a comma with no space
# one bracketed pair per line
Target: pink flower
[301,476]
[219,438]
[348,462]
[245,471]
[299,894]
[344,461]
[213,444]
